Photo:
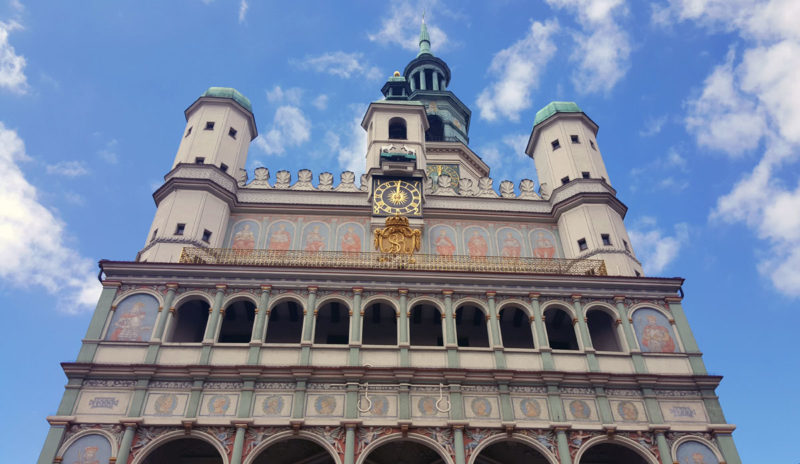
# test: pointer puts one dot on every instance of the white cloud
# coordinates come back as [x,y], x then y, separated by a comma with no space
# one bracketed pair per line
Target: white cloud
[321,102]
[341,64]
[290,128]
[401,26]
[12,75]
[109,152]
[32,248]
[653,126]
[517,143]
[602,48]
[243,6]
[351,149]
[654,248]
[292,95]
[667,172]
[67,168]
[517,70]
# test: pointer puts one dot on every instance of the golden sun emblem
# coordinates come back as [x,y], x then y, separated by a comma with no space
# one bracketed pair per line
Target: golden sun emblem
[398,197]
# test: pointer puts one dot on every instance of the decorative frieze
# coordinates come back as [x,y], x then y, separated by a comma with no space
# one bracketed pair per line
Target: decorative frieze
[170,384]
[216,385]
[109,383]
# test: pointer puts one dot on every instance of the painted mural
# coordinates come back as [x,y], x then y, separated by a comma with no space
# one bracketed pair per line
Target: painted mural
[353,234]
[529,408]
[694,452]
[653,331]
[627,411]
[325,405]
[134,319]
[219,405]
[88,449]
[579,409]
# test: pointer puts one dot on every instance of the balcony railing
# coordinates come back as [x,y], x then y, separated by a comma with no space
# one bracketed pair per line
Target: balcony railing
[421,262]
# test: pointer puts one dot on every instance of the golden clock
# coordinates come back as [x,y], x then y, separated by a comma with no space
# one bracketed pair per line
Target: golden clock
[397,197]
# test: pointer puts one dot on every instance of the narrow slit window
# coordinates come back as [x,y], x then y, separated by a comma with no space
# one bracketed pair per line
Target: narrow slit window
[206,235]
[209,125]
[591,142]
[606,239]
[582,245]
[155,232]
[224,167]
[625,243]
[180,228]
[556,145]
[188,131]
[565,180]
[199,160]
[585,174]
[574,139]
[232,132]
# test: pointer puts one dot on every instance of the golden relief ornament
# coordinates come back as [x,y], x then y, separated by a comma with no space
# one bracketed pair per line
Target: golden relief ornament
[397,238]
[397,197]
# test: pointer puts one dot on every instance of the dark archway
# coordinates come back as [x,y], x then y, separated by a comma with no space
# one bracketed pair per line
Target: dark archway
[379,325]
[602,330]
[189,323]
[403,452]
[397,128]
[285,323]
[333,324]
[425,326]
[436,131]
[237,324]
[610,453]
[184,450]
[560,329]
[510,452]
[471,327]
[295,450]
[515,328]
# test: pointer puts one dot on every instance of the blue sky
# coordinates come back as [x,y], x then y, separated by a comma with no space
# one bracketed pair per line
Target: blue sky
[697,103]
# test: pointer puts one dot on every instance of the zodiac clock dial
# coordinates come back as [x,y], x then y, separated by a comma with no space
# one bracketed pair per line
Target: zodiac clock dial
[397,197]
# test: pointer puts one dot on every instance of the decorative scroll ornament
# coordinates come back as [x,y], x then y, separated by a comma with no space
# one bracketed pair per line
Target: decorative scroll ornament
[397,238]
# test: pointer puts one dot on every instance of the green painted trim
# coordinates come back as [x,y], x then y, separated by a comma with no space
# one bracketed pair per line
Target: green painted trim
[713,408]
[563,447]
[96,325]
[651,404]
[299,400]
[583,331]
[554,400]
[728,448]
[506,409]
[194,399]
[125,444]
[305,355]
[164,315]
[238,446]
[452,358]
[639,365]
[354,358]
[355,332]
[403,319]
[139,393]
[687,337]
[450,322]
[604,406]
[349,445]
[51,444]
[351,401]
[456,403]
[697,365]
[541,335]
[458,445]
[404,403]
[308,317]
[70,396]
[494,323]
[259,328]
[405,360]
[246,399]
[213,318]
[663,448]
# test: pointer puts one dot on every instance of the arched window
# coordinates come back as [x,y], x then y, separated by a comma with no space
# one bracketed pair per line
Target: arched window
[294,450]
[602,331]
[189,323]
[397,128]
[285,323]
[611,452]
[471,327]
[436,131]
[237,324]
[333,324]
[379,325]
[515,328]
[425,326]
[184,450]
[560,329]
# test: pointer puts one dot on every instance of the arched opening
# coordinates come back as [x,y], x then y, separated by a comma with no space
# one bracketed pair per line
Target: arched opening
[237,324]
[610,453]
[515,328]
[285,323]
[295,450]
[397,128]
[189,323]
[403,452]
[379,325]
[436,131]
[425,326]
[471,327]
[428,79]
[511,452]
[333,324]
[184,450]
[560,329]
[602,331]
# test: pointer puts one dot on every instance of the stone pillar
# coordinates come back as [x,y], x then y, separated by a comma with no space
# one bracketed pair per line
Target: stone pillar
[422,84]
[309,318]
[127,440]
[194,398]
[402,327]
[350,443]
[52,441]
[238,441]
[681,324]
[603,405]
[450,330]
[435,79]
[211,327]
[458,444]
[541,333]
[726,445]
[70,396]
[630,336]
[584,334]
[163,316]
[355,328]
[299,399]
[98,322]
[563,444]
[493,320]
[661,442]
[262,321]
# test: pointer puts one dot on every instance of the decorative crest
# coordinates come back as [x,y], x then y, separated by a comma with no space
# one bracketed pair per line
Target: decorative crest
[397,238]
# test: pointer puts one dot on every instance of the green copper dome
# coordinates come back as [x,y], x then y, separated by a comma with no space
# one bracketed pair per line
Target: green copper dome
[229,92]
[553,108]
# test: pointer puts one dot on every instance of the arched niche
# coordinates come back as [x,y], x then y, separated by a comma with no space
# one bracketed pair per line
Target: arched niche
[471,330]
[515,328]
[425,325]
[285,323]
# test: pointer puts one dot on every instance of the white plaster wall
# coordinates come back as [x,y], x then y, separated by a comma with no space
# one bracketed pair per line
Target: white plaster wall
[615,364]
[120,354]
[179,354]
[523,361]
[571,159]
[415,133]
[421,357]
[380,357]
[476,359]
[329,356]
[229,355]
[570,362]
[665,364]
[216,146]
[280,356]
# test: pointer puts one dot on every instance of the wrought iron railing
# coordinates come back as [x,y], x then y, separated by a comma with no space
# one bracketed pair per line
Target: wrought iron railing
[421,262]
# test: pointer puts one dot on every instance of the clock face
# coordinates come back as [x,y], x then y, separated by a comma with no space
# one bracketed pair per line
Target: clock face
[397,197]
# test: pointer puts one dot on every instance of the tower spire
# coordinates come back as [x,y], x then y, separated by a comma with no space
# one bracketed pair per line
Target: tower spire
[424,39]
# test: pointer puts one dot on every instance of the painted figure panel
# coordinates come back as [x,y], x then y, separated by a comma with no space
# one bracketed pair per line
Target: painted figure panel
[442,241]
[543,243]
[280,236]
[350,237]
[481,407]
[694,452]
[628,411]
[653,331]
[134,319]
[219,405]
[325,405]
[476,240]
[166,404]
[103,402]
[315,236]
[425,406]
[244,235]
[510,243]
[580,409]
[273,405]
[88,449]
[530,408]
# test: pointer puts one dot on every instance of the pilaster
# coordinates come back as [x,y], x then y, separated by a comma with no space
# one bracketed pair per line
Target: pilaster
[588,348]
[687,337]
[309,318]
[260,327]
[70,396]
[728,448]
[127,439]
[630,337]
[98,322]
[349,443]
[194,398]
[238,442]
[355,328]
[402,326]
[458,444]
[163,316]
[563,444]
[299,399]
[494,324]
[213,321]
[450,330]
[52,441]
[541,333]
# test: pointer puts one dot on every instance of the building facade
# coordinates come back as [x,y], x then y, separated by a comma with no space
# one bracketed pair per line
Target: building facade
[418,315]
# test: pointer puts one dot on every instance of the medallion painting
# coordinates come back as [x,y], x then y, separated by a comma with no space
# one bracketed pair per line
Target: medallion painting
[653,331]
[510,243]
[350,237]
[529,408]
[315,236]
[244,235]
[280,236]
[134,319]
[476,240]
[543,243]
[694,452]
[442,240]
[88,449]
